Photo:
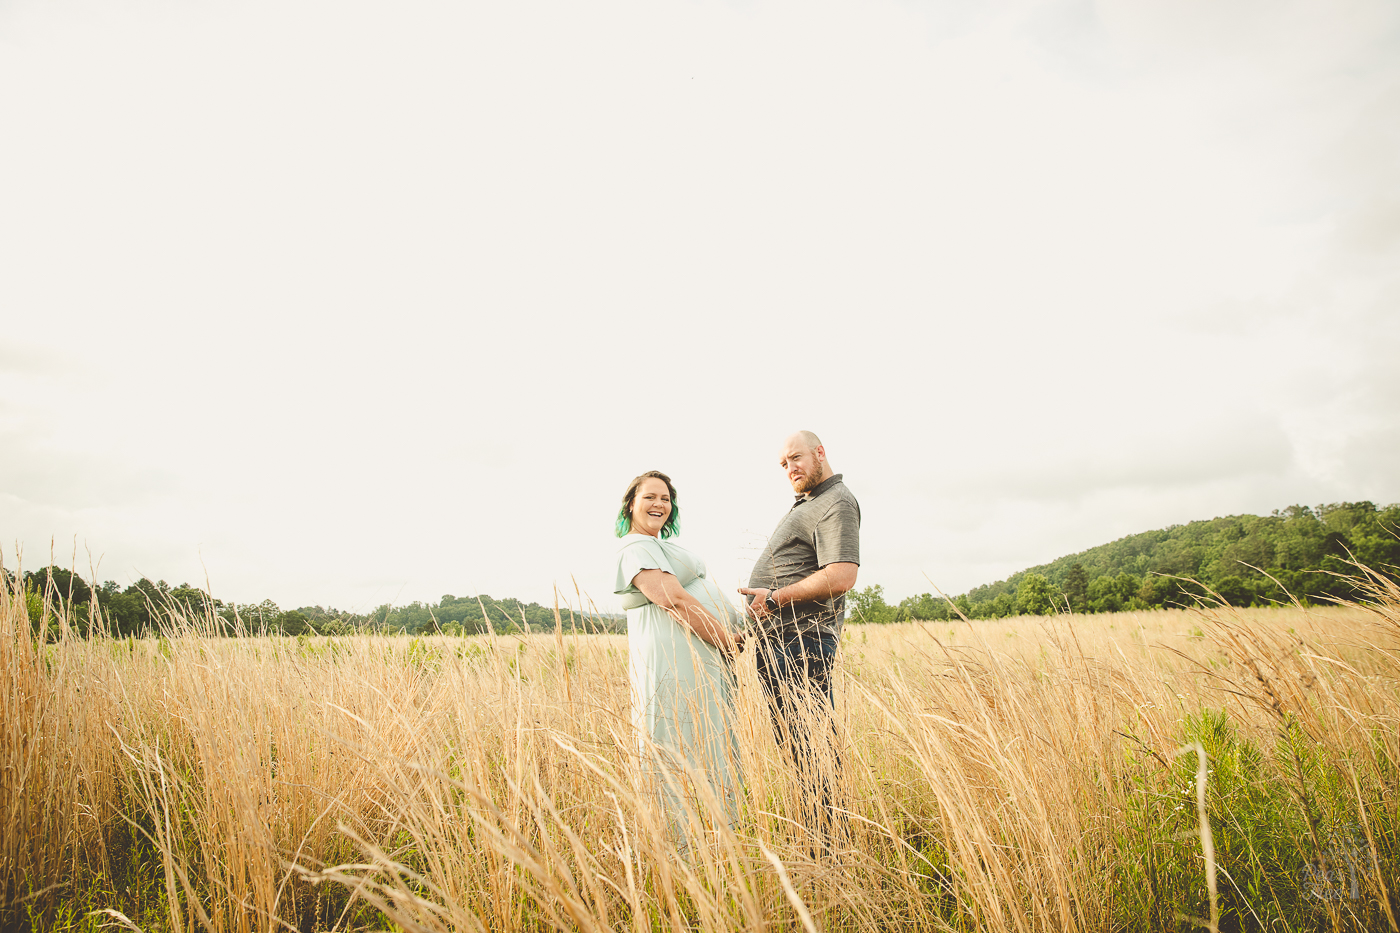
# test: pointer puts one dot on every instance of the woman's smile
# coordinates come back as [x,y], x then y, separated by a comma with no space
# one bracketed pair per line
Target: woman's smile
[651,508]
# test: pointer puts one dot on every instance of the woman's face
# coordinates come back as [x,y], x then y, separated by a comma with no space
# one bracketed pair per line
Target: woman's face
[651,507]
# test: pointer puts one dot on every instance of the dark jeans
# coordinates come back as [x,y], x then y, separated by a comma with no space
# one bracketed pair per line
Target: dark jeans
[796,675]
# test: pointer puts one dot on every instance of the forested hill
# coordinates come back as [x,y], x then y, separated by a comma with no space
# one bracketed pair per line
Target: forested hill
[146,608]
[1300,548]
[1245,559]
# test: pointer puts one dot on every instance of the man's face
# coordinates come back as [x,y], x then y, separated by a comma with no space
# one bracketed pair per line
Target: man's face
[804,466]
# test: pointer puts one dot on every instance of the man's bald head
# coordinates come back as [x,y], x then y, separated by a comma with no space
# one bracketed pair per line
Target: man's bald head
[804,460]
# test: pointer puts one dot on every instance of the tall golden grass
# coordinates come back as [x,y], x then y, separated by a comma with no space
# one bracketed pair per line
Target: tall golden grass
[1015,775]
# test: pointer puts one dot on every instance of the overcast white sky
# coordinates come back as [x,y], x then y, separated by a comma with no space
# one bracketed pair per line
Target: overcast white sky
[349,302]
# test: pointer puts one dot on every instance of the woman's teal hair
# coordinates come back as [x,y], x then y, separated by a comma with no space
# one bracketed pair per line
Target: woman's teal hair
[623,525]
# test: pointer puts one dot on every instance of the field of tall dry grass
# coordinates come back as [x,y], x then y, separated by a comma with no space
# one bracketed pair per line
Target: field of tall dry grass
[1142,771]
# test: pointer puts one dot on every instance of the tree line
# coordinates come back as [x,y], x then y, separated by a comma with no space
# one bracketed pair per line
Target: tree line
[146,608]
[1244,560]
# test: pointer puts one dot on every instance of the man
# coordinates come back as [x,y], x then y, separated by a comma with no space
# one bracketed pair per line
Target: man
[798,589]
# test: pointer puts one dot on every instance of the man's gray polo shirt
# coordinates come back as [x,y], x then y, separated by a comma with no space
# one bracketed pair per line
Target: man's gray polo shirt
[823,527]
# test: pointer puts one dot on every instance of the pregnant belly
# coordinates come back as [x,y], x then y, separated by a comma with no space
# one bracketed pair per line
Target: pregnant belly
[710,596]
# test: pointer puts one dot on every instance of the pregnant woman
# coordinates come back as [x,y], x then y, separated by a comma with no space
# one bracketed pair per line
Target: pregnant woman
[680,641]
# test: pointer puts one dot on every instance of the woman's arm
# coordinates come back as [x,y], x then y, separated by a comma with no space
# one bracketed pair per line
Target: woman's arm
[665,590]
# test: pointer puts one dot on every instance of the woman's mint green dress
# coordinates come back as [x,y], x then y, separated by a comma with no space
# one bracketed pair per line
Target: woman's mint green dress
[682,687]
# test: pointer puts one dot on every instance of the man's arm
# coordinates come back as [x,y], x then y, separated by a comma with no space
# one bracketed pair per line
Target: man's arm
[828,583]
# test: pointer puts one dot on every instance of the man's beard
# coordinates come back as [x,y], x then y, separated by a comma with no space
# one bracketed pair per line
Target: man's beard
[809,482]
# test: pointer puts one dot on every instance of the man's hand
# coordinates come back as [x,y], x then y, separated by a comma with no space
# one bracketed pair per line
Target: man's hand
[756,609]
[828,583]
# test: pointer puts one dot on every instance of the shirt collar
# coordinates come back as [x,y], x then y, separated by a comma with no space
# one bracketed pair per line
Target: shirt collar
[822,487]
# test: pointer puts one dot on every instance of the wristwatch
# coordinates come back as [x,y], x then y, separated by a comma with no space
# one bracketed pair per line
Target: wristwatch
[769,602]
